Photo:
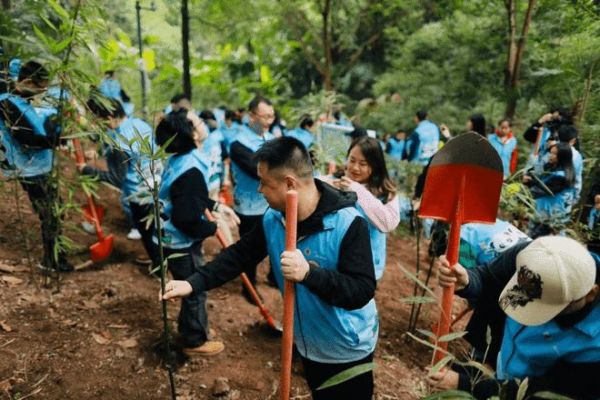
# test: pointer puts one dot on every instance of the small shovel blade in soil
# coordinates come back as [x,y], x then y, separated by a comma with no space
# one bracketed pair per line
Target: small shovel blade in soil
[102,249]
[463,185]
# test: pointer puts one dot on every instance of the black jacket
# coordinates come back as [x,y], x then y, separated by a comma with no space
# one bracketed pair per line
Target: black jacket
[351,286]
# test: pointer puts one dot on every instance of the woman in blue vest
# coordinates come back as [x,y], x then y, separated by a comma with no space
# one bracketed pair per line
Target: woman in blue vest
[26,144]
[367,176]
[553,190]
[335,319]
[128,167]
[505,144]
[396,145]
[183,198]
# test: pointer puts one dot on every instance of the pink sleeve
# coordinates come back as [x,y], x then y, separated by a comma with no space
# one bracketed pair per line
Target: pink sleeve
[385,217]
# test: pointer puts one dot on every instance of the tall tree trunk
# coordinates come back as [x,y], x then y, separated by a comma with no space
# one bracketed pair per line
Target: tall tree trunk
[326,38]
[185,46]
[515,54]
[587,91]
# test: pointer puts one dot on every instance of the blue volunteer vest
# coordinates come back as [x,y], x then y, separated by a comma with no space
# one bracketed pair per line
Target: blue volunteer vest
[302,135]
[212,149]
[504,150]
[230,134]
[322,332]
[555,208]
[482,243]
[533,350]
[378,245]
[139,171]
[111,88]
[248,201]
[429,141]
[16,160]
[176,166]
[396,148]
[578,167]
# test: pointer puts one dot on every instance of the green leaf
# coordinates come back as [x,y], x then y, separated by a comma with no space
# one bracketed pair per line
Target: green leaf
[58,9]
[440,364]
[488,372]
[347,375]
[417,280]
[452,336]
[551,396]
[449,394]
[418,300]
[522,389]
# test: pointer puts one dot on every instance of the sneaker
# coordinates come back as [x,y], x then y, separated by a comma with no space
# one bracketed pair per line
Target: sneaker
[143,260]
[88,228]
[134,234]
[209,348]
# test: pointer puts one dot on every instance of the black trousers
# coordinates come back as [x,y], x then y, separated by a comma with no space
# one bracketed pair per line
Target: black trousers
[43,194]
[247,223]
[193,318]
[139,213]
[357,388]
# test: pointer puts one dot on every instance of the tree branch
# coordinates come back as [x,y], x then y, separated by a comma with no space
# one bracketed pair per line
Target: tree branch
[356,55]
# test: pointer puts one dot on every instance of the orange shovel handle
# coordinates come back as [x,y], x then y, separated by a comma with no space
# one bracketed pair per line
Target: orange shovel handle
[81,160]
[289,294]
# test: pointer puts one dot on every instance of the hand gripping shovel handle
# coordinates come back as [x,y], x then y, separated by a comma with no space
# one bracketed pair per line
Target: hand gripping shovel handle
[289,294]
[80,160]
[247,284]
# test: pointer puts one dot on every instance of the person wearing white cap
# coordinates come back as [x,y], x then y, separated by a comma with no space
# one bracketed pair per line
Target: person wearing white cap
[548,290]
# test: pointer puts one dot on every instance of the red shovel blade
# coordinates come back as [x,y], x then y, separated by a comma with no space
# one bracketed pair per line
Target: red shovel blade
[101,250]
[88,214]
[472,158]
[463,185]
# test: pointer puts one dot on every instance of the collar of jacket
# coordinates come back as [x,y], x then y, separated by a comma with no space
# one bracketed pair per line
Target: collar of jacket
[331,200]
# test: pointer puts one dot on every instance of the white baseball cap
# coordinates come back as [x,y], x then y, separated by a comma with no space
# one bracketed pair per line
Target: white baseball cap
[552,272]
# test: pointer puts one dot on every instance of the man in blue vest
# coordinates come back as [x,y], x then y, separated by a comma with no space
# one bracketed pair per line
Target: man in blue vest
[548,291]
[336,323]
[250,204]
[26,143]
[424,141]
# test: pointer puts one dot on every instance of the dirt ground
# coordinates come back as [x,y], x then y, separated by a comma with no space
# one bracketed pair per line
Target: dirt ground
[95,338]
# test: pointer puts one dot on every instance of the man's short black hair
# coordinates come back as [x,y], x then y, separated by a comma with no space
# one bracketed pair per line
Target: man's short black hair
[286,152]
[176,125]
[253,105]
[34,71]
[358,133]
[566,133]
[306,121]
[230,114]
[104,107]
[178,97]
[207,114]
[421,115]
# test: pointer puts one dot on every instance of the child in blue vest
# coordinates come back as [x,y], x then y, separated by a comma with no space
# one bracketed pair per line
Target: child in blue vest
[26,144]
[367,176]
[546,129]
[183,199]
[547,295]
[336,324]
[553,191]
[128,167]
[505,144]
[250,204]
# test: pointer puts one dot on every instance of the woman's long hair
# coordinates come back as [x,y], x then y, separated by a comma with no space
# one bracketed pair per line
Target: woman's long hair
[564,161]
[379,182]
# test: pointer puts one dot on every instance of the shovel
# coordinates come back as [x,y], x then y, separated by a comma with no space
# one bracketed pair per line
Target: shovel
[289,294]
[463,185]
[275,325]
[101,250]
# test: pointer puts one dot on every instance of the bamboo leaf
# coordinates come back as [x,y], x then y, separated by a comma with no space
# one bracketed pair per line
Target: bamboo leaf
[522,389]
[440,364]
[550,396]
[418,300]
[417,280]
[450,394]
[452,336]
[346,375]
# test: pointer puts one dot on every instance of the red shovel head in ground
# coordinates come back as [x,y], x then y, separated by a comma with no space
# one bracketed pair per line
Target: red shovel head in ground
[463,185]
